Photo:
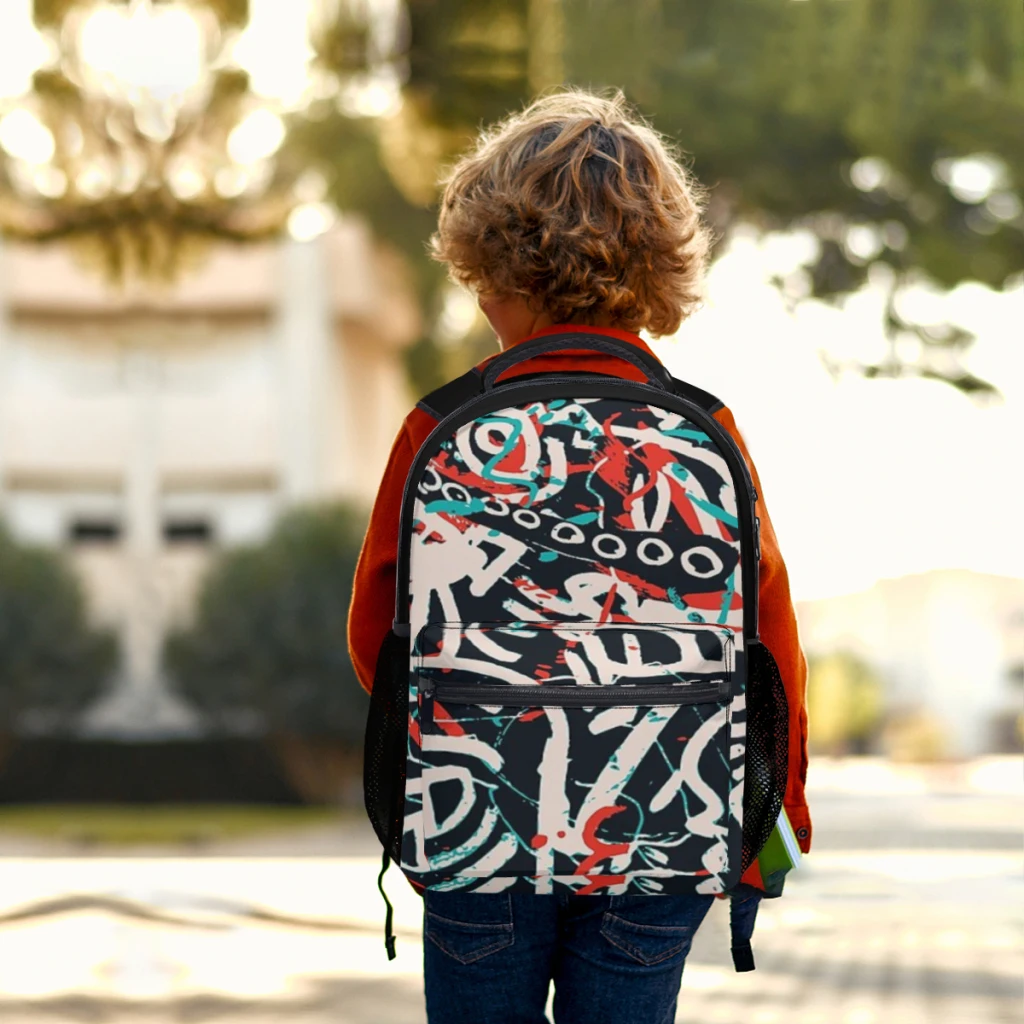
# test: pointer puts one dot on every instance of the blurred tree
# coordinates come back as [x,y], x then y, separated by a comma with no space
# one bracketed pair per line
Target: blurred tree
[914,733]
[52,663]
[269,632]
[891,129]
[844,704]
[467,63]
[267,649]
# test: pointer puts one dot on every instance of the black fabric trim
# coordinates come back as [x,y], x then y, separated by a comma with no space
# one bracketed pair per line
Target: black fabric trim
[649,364]
[443,401]
[742,957]
[704,399]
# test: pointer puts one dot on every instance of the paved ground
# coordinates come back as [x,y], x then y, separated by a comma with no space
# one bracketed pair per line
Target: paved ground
[909,911]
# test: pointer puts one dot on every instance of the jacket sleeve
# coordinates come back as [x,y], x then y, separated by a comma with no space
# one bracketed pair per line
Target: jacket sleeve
[373,590]
[778,629]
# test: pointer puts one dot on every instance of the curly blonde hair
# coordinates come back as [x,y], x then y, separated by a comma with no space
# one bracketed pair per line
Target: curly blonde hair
[579,206]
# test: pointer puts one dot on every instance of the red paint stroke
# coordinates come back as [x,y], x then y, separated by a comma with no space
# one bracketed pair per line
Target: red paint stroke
[681,503]
[752,876]
[634,496]
[606,610]
[527,586]
[455,473]
[598,847]
[581,467]
[712,601]
[461,523]
[538,841]
[638,583]
[616,455]
[446,723]
[513,461]
[531,715]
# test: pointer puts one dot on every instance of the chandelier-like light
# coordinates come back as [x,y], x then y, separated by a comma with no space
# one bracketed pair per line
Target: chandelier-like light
[148,131]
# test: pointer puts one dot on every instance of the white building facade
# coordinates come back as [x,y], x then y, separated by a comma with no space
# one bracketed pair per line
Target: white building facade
[144,431]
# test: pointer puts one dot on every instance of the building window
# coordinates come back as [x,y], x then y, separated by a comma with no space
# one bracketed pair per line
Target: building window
[94,530]
[188,531]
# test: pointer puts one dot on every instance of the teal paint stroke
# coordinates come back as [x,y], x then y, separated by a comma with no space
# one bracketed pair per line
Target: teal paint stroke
[730,590]
[599,515]
[713,510]
[689,435]
[458,508]
[489,473]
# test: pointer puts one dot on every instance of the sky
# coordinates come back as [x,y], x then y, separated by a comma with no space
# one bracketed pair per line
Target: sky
[863,479]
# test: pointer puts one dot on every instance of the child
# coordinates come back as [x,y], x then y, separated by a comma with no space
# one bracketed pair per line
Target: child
[572,215]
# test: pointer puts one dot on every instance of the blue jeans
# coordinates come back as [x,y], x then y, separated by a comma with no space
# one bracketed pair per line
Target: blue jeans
[489,958]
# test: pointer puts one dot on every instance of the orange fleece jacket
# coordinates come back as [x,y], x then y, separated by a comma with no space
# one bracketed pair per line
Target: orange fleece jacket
[373,594]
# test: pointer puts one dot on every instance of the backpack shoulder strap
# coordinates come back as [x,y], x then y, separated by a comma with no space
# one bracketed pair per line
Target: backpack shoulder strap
[443,401]
[707,401]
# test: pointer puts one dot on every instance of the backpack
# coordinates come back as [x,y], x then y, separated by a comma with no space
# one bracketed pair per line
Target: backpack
[573,695]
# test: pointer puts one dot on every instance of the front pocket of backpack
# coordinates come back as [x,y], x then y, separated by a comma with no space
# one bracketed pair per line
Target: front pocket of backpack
[583,751]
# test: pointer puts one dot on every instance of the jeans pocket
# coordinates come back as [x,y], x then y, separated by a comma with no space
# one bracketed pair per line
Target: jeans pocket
[468,926]
[654,929]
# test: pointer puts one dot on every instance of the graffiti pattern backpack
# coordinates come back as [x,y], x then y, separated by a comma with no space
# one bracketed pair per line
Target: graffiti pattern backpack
[573,696]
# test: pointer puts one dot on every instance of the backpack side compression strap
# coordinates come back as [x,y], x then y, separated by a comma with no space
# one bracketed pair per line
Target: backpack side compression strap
[446,399]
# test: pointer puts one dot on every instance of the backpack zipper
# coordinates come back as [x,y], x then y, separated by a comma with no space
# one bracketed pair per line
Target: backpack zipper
[518,695]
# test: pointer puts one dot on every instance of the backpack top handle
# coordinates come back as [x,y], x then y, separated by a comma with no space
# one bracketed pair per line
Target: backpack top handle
[653,370]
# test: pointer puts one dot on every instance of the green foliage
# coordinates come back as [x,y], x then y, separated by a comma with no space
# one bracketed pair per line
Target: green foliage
[844,703]
[163,824]
[469,59]
[824,114]
[269,633]
[52,663]
[778,101]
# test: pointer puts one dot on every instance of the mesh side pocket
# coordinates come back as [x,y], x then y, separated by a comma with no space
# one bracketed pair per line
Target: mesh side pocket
[384,755]
[767,756]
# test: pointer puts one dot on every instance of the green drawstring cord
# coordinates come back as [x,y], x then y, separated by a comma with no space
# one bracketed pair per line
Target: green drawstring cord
[389,935]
